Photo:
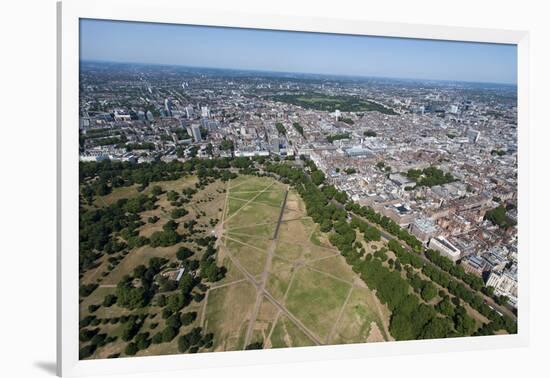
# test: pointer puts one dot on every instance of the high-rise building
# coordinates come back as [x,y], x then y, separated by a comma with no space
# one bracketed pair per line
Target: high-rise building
[473,135]
[205,113]
[168,107]
[196,131]
[189,111]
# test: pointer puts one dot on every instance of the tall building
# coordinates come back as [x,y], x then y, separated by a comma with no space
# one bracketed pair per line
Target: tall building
[196,131]
[205,113]
[189,111]
[168,107]
[473,135]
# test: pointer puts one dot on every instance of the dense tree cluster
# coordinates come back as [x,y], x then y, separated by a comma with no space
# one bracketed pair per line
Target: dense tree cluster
[456,288]
[344,103]
[298,128]
[455,270]
[131,295]
[386,223]
[193,340]
[98,226]
[430,176]
[498,217]
[280,128]
[339,136]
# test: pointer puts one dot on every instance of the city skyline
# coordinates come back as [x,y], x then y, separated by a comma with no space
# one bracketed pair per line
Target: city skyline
[296,52]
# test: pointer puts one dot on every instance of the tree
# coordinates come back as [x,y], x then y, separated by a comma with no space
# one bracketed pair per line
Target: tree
[178,213]
[142,341]
[498,217]
[184,253]
[437,328]
[109,300]
[174,321]
[255,345]
[464,324]
[129,330]
[188,318]
[131,349]
[317,177]
[86,351]
[161,300]
[156,190]
[87,334]
[429,291]
[168,334]
[87,289]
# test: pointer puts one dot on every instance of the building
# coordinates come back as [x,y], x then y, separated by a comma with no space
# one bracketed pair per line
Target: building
[402,181]
[205,113]
[424,229]
[357,151]
[505,283]
[168,107]
[196,131]
[444,247]
[473,135]
[475,265]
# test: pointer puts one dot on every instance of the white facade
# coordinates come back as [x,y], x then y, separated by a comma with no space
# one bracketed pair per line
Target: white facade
[505,283]
[444,247]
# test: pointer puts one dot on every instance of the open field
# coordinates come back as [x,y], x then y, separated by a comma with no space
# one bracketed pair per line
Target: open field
[298,284]
[289,289]
[227,314]
[318,101]
[316,298]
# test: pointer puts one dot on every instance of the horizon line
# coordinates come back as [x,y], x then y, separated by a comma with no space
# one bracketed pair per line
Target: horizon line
[295,72]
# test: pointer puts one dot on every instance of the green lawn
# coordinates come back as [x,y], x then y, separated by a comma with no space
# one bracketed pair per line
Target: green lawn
[316,300]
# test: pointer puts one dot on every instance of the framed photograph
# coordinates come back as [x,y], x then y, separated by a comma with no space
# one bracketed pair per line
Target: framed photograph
[253,187]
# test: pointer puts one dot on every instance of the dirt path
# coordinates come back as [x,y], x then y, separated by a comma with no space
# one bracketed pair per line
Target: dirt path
[337,322]
[381,315]
[265,273]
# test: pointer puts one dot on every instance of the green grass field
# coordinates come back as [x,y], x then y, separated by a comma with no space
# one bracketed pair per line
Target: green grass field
[286,334]
[316,299]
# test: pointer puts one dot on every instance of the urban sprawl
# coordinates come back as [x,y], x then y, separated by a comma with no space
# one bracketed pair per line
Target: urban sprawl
[437,158]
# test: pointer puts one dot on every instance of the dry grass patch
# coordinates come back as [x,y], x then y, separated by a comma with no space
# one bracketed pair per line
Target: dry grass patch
[228,311]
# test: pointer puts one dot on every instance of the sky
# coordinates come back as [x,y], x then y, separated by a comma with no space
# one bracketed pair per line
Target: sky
[316,53]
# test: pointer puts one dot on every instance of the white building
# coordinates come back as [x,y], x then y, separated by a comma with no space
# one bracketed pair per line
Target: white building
[444,247]
[505,283]
[423,229]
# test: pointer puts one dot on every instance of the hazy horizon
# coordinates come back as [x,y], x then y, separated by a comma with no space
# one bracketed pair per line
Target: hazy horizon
[304,53]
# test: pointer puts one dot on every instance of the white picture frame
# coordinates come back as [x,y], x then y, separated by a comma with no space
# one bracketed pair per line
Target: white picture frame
[167,11]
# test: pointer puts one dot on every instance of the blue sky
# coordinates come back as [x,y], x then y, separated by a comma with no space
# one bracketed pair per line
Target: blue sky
[200,46]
